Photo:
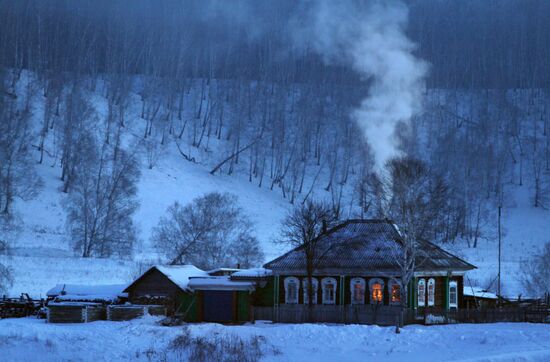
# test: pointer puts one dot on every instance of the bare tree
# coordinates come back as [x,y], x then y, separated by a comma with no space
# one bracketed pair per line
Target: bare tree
[412,197]
[18,178]
[537,273]
[6,278]
[210,231]
[303,228]
[102,202]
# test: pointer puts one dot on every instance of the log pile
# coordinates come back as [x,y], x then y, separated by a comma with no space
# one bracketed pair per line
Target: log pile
[18,307]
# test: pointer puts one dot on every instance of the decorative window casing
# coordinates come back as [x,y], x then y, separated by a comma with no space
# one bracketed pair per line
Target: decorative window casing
[376,287]
[315,284]
[357,287]
[292,286]
[395,292]
[453,294]
[431,292]
[329,290]
[421,292]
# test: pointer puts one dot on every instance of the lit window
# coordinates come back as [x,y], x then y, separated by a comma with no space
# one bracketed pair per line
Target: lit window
[421,293]
[329,290]
[291,290]
[315,287]
[453,295]
[395,289]
[357,287]
[431,292]
[376,291]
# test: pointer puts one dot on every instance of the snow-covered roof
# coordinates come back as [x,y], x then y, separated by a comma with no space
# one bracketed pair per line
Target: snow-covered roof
[180,274]
[220,283]
[108,292]
[228,270]
[252,273]
[72,303]
[478,292]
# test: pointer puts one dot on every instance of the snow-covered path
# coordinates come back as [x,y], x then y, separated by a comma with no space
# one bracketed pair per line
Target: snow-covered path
[31,340]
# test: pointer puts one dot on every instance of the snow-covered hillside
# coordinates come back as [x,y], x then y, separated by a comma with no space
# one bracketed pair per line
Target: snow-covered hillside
[42,256]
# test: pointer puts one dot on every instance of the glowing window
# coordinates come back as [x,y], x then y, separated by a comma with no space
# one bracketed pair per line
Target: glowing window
[395,297]
[376,291]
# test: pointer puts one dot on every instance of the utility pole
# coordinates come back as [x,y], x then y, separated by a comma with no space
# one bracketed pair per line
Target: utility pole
[499,253]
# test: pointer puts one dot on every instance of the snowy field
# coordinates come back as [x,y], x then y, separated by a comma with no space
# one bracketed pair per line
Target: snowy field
[30,339]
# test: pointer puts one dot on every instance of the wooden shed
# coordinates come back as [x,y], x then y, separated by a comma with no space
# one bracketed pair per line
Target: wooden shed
[168,286]
[476,297]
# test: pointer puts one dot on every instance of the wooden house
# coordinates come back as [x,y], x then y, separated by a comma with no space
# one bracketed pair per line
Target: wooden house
[361,266]
[359,273]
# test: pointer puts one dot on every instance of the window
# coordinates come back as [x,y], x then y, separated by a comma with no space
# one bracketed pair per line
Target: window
[431,292]
[357,287]
[315,288]
[395,290]
[453,295]
[291,290]
[329,290]
[376,291]
[421,293]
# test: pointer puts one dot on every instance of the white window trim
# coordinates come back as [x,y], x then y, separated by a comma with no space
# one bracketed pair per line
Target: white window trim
[287,281]
[324,283]
[453,284]
[371,283]
[315,283]
[352,283]
[390,291]
[421,302]
[431,296]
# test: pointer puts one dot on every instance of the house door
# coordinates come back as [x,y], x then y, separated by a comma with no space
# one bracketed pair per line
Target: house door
[217,306]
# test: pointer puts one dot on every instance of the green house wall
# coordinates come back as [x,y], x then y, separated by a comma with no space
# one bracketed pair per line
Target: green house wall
[189,307]
[243,306]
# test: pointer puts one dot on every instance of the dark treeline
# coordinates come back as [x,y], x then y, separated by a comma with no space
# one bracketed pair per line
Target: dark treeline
[482,44]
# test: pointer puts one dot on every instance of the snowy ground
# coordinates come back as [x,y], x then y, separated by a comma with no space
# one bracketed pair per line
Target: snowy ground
[30,339]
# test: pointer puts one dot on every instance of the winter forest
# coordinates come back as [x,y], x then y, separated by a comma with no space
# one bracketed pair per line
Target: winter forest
[304,100]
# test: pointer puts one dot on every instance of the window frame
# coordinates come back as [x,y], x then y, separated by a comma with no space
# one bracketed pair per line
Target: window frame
[431,296]
[372,282]
[352,283]
[305,287]
[324,283]
[421,301]
[287,281]
[453,284]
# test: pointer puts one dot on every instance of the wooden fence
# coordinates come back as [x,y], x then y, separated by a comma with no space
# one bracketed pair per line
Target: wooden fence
[392,315]
[360,314]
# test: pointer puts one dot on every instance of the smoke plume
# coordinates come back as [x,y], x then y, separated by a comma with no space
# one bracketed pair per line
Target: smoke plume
[372,40]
